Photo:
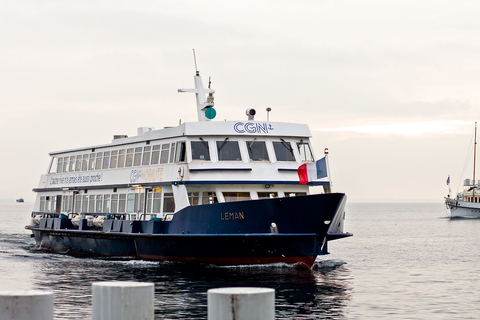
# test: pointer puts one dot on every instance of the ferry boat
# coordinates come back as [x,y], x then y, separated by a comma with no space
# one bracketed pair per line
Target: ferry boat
[467,202]
[213,192]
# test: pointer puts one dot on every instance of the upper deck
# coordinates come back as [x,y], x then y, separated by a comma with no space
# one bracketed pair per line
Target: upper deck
[203,152]
[248,128]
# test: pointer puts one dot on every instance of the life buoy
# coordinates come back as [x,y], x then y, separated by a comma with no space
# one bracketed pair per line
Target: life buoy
[180,173]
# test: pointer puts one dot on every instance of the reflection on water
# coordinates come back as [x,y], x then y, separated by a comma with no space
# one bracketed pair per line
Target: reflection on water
[181,289]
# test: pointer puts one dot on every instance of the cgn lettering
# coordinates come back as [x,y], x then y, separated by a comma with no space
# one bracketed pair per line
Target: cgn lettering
[232,216]
[252,127]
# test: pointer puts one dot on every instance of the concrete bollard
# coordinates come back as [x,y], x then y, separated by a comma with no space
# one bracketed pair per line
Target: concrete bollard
[26,305]
[241,304]
[122,300]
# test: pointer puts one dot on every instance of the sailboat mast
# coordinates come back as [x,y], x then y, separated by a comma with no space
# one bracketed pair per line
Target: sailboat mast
[474,162]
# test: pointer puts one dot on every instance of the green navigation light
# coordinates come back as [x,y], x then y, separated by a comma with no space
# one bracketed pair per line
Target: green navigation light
[210,113]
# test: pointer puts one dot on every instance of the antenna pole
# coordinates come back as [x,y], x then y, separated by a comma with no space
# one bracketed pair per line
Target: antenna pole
[474,160]
[195,60]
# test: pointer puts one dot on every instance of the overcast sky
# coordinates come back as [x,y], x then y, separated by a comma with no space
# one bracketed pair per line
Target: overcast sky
[392,88]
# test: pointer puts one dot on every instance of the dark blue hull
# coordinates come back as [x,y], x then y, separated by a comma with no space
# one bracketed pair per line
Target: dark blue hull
[232,249]
[291,230]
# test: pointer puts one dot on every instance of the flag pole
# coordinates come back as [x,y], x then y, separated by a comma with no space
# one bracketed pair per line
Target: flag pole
[327,188]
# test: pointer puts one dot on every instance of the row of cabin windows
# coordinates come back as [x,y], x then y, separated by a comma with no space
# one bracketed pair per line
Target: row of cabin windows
[472,199]
[162,153]
[117,203]
[135,202]
[176,152]
[257,150]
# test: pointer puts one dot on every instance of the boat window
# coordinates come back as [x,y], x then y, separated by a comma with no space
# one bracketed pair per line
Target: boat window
[139,202]
[200,150]
[257,150]
[172,152]
[98,161]
[267,195]
[91,204]
[78,163]
[78,203]
[168,202]
[66,161]
[236,196]
[42,204]
[181,152]
[228,150]
[114,203]
[85,203]
[131,202]
[85,162]
[156,154]
[106,203]
[157,201]
[122,198]
[113,159]
[53,204]
[99,203]
[47,204]
[57,204]
[71,167]
[193,198]
[59,165]
[67,203]
[283,151]
[209,197]
[91,161]
[50,204]
[121,158]
[295,194]
[164,155]
[149,202]
[106,160]
[129,159]
[305,152]
[138,156]
[146,155]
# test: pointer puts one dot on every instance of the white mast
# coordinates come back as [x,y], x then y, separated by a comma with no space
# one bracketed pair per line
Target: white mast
[474,161]
[205,103]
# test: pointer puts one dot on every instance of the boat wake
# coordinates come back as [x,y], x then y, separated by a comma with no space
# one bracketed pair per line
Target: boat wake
[328,265]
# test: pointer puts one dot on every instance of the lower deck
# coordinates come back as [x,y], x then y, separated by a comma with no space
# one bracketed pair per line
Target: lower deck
[144,203]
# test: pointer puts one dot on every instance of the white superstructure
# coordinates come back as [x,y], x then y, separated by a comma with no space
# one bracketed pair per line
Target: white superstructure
[159,172]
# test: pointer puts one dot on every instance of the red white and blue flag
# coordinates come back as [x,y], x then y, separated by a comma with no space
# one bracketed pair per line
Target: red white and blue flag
[312,171]
[448,180]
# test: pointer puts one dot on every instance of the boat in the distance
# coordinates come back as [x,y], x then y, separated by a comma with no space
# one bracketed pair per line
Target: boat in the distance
[215,192]
[20,200]
[467,202]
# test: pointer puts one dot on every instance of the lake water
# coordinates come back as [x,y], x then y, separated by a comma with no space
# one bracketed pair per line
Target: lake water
[405,261]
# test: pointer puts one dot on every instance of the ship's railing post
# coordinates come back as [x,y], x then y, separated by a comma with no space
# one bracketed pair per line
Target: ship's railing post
[26,305]
[241,304]
[122,300]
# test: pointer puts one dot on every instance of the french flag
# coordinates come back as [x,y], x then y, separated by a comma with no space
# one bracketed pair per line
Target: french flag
[312,171]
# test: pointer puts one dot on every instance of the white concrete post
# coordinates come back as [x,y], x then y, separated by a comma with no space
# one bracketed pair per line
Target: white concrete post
[241,304]
[26,305]
[122,300]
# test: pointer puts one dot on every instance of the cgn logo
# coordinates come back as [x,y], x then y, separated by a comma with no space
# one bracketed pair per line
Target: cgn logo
[250,127]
